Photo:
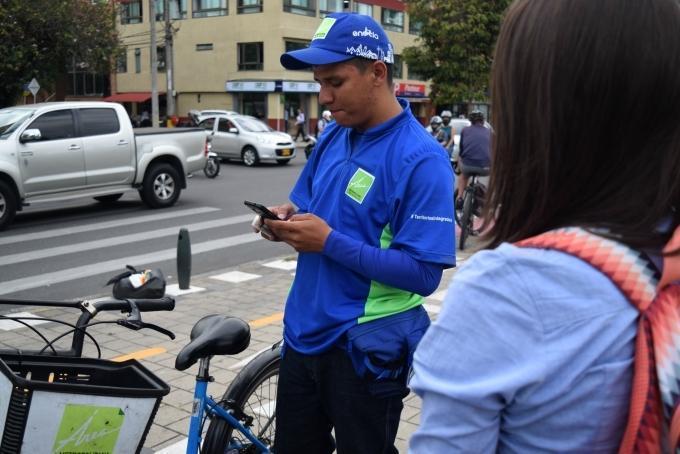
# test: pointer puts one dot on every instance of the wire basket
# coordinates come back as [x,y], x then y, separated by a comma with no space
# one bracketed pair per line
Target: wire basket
[75,405]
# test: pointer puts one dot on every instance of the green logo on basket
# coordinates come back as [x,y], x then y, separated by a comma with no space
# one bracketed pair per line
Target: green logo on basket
[88,428]
[359,185]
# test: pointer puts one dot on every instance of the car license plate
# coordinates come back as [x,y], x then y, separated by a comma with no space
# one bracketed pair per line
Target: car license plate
[286,152]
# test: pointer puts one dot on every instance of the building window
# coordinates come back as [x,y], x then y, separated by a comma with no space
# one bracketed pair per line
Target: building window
[398,67]
[138,60]
[412,74]
[209,8]
[178,9]
[414,26]
[292,45]
[393,20]
[250,56]
[330,6]
[85,83]
[121,61]
[249,6]
[297,44]
[304,7]
[362,8]
[204,46]
[131,12]
[254,104]
[160,58]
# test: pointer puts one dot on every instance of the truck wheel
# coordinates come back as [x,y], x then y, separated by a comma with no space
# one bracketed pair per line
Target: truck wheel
[160,188]
[108,198]
[250,157]
[8,205]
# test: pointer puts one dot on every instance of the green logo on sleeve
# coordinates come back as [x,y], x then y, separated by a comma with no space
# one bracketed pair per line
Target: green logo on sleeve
[88,428]
[359,185]
[324,28]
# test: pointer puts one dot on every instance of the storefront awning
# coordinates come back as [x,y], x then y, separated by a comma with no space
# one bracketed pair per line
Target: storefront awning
[136,96]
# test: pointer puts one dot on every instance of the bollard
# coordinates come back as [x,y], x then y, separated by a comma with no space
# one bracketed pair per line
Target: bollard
[183,259]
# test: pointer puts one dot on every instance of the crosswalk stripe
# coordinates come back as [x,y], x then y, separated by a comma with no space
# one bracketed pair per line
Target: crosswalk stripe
[118,240]
[92,269]
[166,214]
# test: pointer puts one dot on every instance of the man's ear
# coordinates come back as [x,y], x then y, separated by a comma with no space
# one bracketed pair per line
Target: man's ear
[379,72]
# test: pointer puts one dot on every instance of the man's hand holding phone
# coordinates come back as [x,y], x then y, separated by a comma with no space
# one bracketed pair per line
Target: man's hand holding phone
[280,212]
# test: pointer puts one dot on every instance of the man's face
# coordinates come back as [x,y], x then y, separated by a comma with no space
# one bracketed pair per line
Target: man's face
[446,120]
[348,93]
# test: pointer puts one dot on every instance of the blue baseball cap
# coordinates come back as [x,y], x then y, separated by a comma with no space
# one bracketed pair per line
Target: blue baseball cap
[340,37]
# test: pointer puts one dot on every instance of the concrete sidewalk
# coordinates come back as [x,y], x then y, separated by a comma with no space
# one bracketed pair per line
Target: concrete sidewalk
[254,291]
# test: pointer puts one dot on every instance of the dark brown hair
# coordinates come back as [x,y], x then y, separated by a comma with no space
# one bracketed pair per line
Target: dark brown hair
[363,64]
[586,114]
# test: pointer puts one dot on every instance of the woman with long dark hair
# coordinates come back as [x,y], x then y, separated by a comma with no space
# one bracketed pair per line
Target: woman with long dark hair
[534,348]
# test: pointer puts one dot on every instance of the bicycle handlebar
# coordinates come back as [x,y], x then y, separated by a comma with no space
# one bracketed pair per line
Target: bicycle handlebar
[165,303]
[90,308]
[144,305]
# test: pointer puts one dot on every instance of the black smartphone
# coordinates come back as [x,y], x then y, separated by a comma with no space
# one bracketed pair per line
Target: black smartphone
[261,210]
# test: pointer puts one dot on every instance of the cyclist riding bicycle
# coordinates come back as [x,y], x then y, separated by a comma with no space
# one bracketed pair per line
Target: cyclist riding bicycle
[475,152]
[449,130]
[436,130]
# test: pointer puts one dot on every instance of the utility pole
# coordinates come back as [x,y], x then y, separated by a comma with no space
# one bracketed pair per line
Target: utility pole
[154,65]
[169,62]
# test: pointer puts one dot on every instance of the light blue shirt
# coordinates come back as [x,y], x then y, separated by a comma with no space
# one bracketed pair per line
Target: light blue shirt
[532,352]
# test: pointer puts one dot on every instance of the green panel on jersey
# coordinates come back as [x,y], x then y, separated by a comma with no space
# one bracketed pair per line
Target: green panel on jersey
[384,300]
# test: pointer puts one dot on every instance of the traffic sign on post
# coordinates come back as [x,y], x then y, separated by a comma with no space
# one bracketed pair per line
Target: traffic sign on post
[34,86]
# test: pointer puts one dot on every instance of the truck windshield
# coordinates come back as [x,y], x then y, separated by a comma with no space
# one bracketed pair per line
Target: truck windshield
[11,119]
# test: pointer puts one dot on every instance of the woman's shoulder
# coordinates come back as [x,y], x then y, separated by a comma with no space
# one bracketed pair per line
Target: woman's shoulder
[556,286]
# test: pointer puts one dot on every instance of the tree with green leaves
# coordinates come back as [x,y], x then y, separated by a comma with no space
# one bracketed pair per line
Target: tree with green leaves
[455,47]
[43,38]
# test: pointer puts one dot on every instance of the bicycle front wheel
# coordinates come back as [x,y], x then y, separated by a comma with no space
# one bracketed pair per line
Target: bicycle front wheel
[254,392]
[466,218]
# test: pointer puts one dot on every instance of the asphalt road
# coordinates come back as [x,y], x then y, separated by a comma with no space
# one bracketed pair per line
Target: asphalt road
[69,250]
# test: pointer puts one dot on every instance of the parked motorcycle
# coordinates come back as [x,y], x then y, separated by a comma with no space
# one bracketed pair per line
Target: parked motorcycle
[212,165]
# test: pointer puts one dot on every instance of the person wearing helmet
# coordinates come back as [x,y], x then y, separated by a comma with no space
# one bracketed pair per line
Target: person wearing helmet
[323,122]
[437,131]
[448,129]
[475,151]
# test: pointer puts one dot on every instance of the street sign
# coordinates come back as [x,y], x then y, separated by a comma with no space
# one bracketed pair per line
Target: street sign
[34,86]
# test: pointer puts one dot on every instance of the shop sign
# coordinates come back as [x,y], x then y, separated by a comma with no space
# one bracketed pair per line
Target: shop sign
[301,87]
[409,90]
[250,85]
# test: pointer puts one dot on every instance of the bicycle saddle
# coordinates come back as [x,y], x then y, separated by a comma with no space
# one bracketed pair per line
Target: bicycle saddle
[214,335]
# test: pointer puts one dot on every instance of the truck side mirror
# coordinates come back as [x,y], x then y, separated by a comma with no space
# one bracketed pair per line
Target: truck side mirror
[30,135]
[233,130]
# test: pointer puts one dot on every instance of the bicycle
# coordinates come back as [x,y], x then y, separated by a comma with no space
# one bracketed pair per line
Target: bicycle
[243,421]
[56,400]
[470,210]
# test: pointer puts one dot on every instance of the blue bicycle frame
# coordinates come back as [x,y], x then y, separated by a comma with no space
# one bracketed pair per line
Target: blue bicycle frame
[203,403]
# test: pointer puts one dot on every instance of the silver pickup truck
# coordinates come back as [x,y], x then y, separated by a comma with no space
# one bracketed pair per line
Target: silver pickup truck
[66,150]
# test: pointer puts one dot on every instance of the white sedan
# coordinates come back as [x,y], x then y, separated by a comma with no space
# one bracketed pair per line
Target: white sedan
[248,139]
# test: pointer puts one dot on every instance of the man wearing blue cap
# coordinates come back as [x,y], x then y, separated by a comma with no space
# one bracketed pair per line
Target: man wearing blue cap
[374,230]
